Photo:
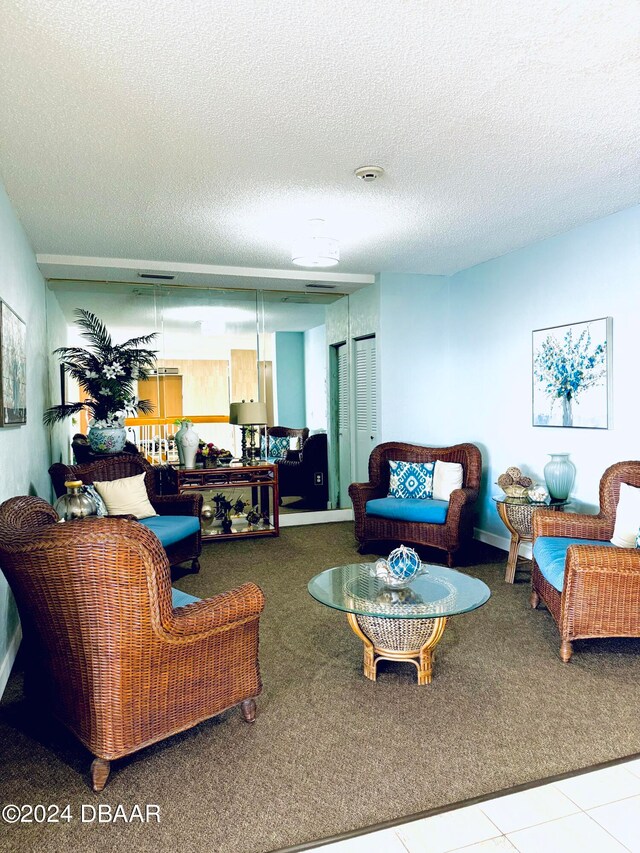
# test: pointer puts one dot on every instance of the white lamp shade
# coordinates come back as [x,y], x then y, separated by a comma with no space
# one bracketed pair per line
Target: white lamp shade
[245,414]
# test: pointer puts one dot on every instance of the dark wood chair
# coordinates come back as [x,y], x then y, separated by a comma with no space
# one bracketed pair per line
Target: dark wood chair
[107,652]
[450,536]
[600,594]
[118,466]
[304,473]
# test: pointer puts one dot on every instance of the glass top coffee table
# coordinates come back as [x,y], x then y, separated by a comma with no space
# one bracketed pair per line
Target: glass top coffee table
[398,624]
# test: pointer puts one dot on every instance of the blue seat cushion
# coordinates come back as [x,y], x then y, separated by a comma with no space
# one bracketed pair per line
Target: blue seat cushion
[409,509]
[180,598]
[550,553]
[171,528]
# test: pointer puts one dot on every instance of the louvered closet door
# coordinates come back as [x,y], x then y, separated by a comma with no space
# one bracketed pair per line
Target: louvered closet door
[366,405]
[344,443]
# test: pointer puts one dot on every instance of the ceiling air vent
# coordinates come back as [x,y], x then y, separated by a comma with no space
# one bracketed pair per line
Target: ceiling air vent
[318,285]
[156,276]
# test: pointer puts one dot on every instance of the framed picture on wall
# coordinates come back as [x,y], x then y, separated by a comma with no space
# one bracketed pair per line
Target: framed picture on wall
[572,375]
[13,367]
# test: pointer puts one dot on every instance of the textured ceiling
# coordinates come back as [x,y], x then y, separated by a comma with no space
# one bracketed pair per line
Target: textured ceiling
[207,132]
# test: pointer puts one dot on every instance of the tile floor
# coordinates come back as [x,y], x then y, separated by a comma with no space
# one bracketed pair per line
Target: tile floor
[594,812]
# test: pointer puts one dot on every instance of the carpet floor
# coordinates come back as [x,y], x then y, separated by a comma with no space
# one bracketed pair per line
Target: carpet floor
[331,751]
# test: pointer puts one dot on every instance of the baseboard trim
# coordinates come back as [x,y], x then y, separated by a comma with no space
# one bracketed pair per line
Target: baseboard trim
[9,658]
[501,542]
[295,519]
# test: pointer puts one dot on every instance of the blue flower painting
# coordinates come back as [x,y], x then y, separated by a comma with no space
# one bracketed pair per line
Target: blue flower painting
[571,375]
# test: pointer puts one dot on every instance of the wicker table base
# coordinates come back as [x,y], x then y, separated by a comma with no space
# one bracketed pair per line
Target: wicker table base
[411,640]
[517,517]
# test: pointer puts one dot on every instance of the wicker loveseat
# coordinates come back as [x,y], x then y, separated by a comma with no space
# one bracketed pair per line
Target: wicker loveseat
[105,649]
[452,524]
[590,586]
[177,524]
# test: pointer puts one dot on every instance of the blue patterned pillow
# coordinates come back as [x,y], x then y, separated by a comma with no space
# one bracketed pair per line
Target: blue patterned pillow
[638,539]
[101,507]
[411,480]
[278,446]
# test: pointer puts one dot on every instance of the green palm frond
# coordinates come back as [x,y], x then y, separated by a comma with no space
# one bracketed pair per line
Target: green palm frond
[145,406]
[105,371]
[134,343]
[93,329]
[58,413]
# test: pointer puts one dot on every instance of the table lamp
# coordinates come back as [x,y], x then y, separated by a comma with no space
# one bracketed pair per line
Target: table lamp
[248,416]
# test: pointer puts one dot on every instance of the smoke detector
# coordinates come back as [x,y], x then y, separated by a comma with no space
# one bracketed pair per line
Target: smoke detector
[369,173]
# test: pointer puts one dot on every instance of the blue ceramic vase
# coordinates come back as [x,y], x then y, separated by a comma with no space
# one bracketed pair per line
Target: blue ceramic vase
[559,474]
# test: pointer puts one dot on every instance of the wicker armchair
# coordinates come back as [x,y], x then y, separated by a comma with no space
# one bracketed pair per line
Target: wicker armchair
[457,529]
[117,664]
[289,432]
[601,590]
[128,465]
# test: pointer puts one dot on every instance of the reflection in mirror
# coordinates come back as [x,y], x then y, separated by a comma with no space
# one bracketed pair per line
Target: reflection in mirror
[217,347]
[292,327]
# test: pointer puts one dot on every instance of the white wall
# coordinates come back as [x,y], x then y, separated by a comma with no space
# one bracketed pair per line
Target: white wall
[24,450]
[315,378]
[57,330]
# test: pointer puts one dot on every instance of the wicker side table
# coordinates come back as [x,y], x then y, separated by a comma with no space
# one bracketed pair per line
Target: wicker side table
[517,515]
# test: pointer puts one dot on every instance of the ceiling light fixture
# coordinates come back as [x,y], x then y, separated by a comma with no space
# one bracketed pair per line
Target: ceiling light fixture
[316,249]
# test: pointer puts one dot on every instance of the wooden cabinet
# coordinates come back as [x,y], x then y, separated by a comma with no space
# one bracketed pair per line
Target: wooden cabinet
[256,484]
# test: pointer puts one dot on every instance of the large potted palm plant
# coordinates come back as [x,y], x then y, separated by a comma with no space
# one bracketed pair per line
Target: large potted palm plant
[106,372]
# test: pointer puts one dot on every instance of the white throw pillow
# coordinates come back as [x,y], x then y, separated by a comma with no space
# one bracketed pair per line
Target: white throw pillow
[127,496]
[627,517]
[447,476]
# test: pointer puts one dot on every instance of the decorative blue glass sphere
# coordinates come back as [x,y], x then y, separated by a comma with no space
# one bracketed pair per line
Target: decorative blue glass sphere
[404,563]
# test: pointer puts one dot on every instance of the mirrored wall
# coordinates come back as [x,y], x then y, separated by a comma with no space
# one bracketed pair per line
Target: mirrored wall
[217,347]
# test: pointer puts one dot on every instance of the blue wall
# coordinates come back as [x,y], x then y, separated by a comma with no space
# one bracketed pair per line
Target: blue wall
[290,379]
[24,450]
[414,356]
[469,377]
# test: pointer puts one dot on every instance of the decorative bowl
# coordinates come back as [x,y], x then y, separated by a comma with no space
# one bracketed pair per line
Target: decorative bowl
[515,491]
[538,494]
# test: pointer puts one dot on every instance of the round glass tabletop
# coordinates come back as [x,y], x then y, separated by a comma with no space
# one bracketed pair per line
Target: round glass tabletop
[437,592]
[552,503]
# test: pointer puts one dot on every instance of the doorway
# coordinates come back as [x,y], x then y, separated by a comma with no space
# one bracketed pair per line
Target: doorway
[366,404]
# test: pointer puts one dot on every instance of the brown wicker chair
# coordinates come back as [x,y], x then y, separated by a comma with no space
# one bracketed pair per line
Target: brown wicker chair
[457,529]
[128,465]
[118,665]
[601,591]
[279,432]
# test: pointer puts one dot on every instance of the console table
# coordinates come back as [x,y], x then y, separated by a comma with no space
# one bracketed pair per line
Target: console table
[256,484]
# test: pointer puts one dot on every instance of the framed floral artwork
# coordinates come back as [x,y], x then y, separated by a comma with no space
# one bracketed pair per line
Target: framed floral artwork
[13,368]
[572,375]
